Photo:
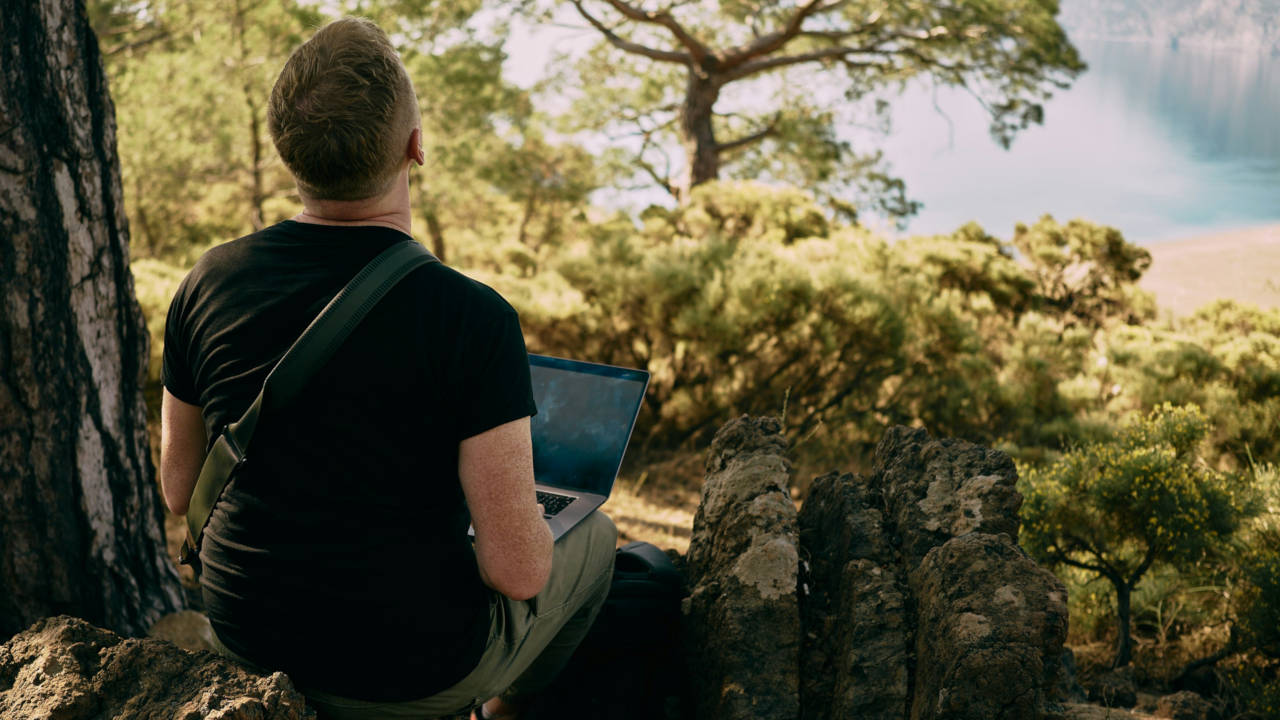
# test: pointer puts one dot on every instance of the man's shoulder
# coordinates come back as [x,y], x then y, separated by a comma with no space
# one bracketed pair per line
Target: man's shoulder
[465,290]
[220,259]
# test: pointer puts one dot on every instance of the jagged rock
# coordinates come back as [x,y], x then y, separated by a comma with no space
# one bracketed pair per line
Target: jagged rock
[1186,705]
[1081,711]
[990,628]
[742,617]
[935,490]
[857,643]
[921,605]
[63,668]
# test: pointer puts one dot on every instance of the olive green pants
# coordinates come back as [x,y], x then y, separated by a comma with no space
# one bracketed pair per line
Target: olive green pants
[529,640]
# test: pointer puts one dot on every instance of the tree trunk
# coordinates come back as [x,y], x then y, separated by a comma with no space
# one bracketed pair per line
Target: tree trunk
[436,232]
[256,193]
[80,527]
[1124,643]
[701,152]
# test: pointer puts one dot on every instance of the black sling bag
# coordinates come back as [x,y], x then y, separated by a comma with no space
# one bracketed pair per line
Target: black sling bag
[308,353]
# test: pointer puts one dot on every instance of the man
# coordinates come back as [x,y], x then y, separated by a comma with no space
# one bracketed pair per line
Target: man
[340,553]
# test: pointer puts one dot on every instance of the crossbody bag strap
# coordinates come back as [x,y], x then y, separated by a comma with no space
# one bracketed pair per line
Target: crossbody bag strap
[308,354]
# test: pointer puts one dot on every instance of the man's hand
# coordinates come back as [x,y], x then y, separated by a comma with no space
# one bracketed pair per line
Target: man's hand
[513,541]
[182,444]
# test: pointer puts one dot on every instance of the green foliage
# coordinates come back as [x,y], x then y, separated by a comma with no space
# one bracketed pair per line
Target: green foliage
[190,83]
[1260,567]
[155,282]
[196,162]
[1257,687]
[732,305]
[750,294]
[1226,359]
[1118,507]
[1085,272]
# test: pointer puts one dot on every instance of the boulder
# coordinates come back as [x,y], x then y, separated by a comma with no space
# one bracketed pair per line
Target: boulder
[921,604]
[857,648]
[935,490]
[742,617]
[63,668]
[1186,705]
[1082,711]
[990,624]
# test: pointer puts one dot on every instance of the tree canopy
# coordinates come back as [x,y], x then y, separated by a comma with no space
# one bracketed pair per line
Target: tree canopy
[758,88]
[1116,508]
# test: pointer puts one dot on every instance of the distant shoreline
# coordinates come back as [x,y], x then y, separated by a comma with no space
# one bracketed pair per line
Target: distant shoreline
[1197,44]
[1240,264]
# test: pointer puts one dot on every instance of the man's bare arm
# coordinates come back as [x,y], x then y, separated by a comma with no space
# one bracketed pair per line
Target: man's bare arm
[513,541]
[182,443]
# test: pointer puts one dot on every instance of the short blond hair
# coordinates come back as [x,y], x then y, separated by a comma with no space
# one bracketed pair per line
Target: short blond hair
[341,112]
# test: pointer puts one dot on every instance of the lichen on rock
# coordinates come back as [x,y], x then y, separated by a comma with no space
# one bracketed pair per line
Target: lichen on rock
[906,588]
[742,617]
[65,668]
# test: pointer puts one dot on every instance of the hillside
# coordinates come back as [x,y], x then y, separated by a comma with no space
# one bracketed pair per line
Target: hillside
[1240,265]
[1238,24]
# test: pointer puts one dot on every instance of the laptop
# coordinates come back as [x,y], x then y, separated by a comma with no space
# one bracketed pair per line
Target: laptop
[586,412]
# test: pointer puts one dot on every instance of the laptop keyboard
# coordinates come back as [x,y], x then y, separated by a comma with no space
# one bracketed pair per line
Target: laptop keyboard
[552,504]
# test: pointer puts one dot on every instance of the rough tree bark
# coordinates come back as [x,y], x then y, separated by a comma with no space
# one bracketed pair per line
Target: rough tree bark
[697,135]
[80,526]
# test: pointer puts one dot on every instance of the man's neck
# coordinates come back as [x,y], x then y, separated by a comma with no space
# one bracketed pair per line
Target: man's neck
[390,209]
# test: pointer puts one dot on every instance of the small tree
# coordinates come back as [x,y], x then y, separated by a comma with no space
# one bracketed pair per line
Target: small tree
[1116,508]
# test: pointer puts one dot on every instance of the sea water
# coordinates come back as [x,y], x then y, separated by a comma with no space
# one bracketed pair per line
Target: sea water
[1159,142]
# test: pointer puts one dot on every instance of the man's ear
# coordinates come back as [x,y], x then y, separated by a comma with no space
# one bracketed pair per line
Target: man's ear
[414,151]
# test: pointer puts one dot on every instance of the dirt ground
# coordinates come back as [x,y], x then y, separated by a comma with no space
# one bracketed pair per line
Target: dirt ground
[1241,265]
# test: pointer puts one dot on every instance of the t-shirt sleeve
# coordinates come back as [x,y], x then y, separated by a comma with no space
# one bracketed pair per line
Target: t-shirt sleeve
[499,389]
[176,371]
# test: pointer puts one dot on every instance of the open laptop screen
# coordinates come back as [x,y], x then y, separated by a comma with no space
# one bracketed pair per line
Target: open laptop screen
[585,415]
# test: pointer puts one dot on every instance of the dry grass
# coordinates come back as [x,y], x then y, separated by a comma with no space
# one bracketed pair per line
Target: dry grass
[655,500]
[1242,265]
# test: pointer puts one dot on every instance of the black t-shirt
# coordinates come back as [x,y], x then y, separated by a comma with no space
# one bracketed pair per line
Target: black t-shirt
[340,553]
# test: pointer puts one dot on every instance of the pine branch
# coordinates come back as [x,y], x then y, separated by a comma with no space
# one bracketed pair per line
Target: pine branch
[842,53]
[754,137]
[697,50]
[629,46]
[771,42]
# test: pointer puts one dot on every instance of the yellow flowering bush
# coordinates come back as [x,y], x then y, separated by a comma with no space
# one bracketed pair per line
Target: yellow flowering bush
[1116,508]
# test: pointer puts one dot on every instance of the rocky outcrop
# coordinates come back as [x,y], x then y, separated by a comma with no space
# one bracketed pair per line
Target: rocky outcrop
[1186,705]
[980,629]
[897,596]
[743,616]
[856,660]
[67,669]
[990,625]
[913,598]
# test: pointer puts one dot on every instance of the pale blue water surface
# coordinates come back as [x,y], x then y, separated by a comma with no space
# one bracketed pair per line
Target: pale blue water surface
[1161,143]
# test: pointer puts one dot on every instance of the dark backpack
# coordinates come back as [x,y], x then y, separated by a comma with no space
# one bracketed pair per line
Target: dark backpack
[630,664]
